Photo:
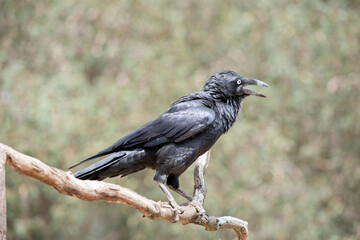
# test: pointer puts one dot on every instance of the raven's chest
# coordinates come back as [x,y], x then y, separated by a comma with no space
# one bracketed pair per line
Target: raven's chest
[175,158]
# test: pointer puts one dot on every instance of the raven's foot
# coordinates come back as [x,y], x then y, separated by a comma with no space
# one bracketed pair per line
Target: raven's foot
[200,211]
[171,199]
[175,208]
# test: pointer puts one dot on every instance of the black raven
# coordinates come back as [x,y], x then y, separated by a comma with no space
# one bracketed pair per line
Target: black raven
[173,141]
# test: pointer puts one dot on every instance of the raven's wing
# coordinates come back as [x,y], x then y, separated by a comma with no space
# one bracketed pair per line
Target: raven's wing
[171,127]
[175,125]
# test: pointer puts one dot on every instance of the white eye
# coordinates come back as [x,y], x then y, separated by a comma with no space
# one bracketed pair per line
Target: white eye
[239,82]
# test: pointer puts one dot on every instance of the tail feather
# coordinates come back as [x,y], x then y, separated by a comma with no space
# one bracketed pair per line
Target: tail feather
[99,154]
[120,163]
[93,170]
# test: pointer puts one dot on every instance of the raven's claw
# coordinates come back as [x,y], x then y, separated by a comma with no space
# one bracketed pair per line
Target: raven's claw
[175,208]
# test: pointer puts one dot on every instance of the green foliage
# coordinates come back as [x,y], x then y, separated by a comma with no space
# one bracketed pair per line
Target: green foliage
[77,75]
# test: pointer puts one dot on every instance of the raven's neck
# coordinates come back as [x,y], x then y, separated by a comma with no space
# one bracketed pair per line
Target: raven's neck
[227,107]
[228,111]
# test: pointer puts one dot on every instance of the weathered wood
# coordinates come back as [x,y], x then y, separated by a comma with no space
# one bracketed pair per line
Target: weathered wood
[66,183]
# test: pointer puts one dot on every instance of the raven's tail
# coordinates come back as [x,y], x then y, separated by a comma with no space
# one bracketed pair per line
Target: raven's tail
[120,163]
[99,154]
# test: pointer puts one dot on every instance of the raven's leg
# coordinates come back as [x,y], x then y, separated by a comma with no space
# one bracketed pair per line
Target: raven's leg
[173,182]
[160,180]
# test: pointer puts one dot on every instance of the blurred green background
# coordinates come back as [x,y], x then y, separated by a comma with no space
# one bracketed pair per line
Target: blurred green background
[77,75]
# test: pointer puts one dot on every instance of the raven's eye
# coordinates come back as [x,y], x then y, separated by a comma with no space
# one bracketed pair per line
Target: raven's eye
[239,82]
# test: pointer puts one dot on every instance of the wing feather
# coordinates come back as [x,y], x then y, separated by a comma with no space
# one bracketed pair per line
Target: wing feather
[168,127]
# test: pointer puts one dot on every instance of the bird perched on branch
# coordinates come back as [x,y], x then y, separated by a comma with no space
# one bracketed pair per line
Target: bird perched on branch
[173,141]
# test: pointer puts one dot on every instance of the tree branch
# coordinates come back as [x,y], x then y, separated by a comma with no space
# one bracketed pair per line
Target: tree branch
[66,183]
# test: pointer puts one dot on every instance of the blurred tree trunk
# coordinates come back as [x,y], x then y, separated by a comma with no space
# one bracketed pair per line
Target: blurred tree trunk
[2,197]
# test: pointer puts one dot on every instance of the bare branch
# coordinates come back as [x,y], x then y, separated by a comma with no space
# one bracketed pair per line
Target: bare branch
[66,183]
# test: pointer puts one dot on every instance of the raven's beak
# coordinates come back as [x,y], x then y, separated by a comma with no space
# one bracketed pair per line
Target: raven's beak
[248,81]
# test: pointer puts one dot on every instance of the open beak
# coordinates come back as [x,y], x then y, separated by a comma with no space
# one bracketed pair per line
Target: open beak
[248,81]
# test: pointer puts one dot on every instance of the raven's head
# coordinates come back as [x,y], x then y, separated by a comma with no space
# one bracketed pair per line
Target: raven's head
[230,84]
